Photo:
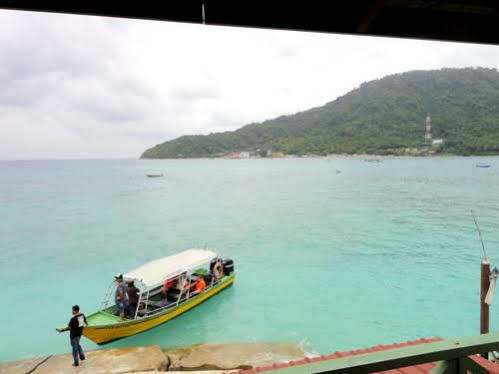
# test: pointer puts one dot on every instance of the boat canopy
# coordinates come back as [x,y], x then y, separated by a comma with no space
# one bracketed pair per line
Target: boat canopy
[155,272]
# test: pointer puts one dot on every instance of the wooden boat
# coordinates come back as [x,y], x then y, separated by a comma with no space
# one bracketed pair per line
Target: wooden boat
[105,325]
[154,175]
[482,165]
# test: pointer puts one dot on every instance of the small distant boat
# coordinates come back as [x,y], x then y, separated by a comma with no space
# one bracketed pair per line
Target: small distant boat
[154,175]
[482,165]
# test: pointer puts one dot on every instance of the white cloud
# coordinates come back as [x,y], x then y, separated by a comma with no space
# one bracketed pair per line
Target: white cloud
[90,87]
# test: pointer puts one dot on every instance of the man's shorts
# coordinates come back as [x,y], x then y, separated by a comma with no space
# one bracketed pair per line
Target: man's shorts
[121,307]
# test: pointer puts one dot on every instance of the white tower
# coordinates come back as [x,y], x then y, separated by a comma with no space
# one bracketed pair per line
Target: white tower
[427,136]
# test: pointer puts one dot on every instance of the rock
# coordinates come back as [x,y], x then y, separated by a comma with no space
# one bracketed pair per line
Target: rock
[105,361]
[231,356]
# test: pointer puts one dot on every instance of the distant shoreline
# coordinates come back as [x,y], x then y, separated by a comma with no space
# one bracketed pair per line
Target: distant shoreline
[334,156]
[286,157]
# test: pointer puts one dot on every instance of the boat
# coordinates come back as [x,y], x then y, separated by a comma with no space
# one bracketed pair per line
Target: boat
[482,165]
[153,308]
[154,175]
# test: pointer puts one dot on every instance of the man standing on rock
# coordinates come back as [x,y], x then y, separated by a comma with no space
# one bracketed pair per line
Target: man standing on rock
[75,327]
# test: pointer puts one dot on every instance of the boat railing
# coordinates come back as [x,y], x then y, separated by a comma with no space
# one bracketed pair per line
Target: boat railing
[179,301]
[143,298]
[107,296]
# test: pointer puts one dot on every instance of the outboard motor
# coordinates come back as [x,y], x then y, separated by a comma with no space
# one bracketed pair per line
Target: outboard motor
[228,265]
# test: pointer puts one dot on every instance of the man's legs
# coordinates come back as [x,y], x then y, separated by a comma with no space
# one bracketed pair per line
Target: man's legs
[74,346]
[77,350]
[131,310]
[121,310]
[80,350]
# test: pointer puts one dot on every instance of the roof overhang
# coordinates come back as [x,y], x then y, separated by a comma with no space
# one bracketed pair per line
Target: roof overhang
[453,20]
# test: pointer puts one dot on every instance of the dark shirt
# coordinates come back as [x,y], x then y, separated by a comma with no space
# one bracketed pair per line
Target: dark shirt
[76,325]
[133,295]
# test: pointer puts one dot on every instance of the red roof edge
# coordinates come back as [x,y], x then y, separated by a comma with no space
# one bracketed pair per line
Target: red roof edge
[423,368]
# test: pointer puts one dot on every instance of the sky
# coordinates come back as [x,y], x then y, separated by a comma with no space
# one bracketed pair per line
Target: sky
[80,87]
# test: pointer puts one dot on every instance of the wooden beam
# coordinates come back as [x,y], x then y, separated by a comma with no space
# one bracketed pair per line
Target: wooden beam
[459,366]
[456,20]
[446,367]
[467,364]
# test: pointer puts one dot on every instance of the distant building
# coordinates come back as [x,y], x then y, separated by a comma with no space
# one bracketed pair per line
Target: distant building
[244,155]
[269,153]
[437,141]
[427,136]
[232,156]
[277,155]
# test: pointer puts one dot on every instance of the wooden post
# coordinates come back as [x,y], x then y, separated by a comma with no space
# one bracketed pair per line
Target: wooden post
[484,307]
[484,287]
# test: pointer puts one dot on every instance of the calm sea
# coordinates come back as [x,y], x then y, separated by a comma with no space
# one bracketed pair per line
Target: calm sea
[376,253]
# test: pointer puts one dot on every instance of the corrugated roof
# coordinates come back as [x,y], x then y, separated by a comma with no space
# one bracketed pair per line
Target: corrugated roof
[416,369]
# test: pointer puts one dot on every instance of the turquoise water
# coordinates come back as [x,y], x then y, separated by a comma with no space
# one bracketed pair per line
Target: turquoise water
[378,253]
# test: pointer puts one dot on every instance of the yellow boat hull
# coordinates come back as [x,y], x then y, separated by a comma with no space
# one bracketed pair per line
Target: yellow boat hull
[106,333]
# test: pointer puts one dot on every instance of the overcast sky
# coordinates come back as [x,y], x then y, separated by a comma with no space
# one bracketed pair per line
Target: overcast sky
[93,87]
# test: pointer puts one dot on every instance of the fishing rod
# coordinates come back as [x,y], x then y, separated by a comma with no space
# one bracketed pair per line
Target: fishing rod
[479,234]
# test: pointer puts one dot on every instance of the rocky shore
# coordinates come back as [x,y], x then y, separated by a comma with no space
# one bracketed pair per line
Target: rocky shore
[206,358]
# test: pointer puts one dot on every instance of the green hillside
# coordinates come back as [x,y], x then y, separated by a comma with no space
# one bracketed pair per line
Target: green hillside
[383,116]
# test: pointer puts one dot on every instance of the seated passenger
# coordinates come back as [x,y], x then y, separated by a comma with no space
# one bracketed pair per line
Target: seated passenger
[192,282]
[199,286]
[178,288]
[141,309]
[167,285]
[181,283]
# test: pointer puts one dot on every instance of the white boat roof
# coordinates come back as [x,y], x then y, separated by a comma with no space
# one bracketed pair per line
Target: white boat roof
[157,271]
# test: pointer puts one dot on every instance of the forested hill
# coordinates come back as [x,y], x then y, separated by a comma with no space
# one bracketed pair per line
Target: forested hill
[384,116]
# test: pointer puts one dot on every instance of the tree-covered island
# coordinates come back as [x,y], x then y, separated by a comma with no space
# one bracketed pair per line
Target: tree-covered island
[385,117]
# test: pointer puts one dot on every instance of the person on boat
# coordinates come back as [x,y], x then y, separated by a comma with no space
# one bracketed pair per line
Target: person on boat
[133,299]
[167,285]
[75,327]
[200,285]
[178,288]
[121,296]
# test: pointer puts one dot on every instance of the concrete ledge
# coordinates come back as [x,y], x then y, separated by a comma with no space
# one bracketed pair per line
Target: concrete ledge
[105,361]
[200,358]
